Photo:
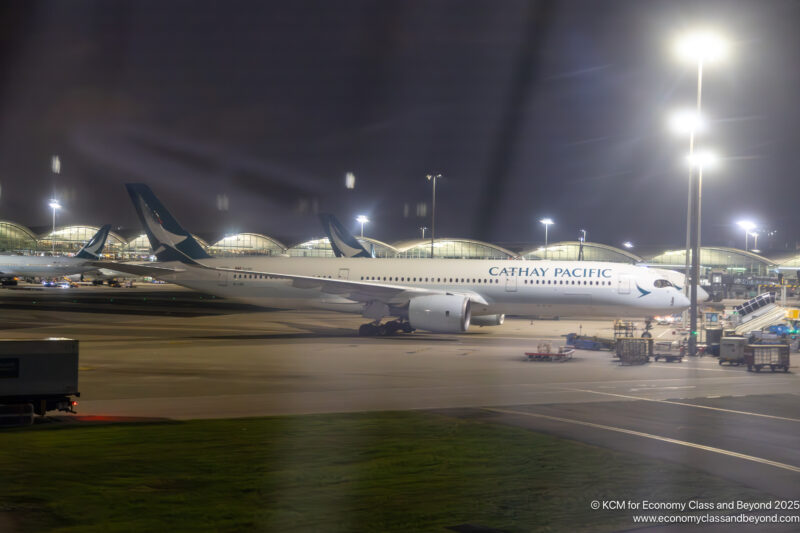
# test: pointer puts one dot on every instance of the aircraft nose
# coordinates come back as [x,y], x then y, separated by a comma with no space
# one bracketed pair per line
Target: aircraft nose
[702,295]
[681,300]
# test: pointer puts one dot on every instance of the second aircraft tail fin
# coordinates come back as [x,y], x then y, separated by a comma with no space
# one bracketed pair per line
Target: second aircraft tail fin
[93,248]
[343,243]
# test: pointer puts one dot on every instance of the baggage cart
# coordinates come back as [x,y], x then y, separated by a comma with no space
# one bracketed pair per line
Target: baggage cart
[774,356]
[669,351]
[634,351]
[544,352]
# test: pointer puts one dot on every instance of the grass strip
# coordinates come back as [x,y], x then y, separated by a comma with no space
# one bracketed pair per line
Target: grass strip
[394,471]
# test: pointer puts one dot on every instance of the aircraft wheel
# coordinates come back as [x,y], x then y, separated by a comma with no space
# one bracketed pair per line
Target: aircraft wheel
[367,330]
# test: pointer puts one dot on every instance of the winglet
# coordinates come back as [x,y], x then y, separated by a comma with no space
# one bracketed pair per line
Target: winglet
[170,242]
[93,248]
[342,242]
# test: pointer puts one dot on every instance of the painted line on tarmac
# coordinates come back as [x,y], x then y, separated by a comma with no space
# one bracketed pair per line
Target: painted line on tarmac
[720,409]
[703,447]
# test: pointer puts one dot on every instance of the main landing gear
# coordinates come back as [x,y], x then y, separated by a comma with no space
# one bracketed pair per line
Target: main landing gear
[373,329]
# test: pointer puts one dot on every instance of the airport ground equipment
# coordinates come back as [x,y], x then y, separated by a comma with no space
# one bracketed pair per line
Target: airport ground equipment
[544,352]
[586,342]
[774,356]
[669,351]
[713,339]
[634,351]
[758,313]
[731,350]
[624,329]
[42,373]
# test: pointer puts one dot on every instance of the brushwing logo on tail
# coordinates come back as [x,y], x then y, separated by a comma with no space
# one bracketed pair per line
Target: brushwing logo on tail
[337,238]
[343,243]
[95,245]
[154,224]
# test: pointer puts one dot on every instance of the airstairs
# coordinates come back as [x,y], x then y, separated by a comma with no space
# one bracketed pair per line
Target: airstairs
[759,312]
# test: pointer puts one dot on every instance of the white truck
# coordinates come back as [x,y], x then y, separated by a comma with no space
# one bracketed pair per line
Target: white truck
[36,376]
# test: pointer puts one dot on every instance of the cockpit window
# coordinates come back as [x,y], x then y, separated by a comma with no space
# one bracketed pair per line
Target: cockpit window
[661,283]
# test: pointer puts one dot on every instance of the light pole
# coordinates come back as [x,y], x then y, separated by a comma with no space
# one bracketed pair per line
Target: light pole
[54,205]
[747,226]
[580,248]
[422,229]
[754,235]
[546,222]
[433,178]
[362,220]
[688,122]
[700,48]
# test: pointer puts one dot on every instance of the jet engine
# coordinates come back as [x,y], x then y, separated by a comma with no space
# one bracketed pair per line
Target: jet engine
[488,320]
[449,313]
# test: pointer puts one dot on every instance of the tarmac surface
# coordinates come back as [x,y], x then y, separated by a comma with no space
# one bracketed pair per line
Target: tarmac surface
[163,352]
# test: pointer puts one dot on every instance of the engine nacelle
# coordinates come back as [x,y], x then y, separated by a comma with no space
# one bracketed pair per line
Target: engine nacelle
[448,313]
[488,320]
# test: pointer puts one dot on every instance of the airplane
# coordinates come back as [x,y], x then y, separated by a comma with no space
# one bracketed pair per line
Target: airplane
[36,266]
[436,295]
[343,243]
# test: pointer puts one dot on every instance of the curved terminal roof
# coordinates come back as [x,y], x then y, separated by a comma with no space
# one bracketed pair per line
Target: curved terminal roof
[15,236]
[717,257]
[452,249]
[72,238]
[792,265]
[247,244]
[592,251]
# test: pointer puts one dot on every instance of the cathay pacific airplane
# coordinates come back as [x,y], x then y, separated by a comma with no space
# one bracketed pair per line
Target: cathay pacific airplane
[345,244]
[438,295]
[35,266]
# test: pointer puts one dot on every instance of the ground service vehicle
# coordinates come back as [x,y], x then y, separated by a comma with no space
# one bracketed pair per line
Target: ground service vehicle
[41,373]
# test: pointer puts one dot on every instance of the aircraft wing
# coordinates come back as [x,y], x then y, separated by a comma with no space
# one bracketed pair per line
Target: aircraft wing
[136,270]
[359,291]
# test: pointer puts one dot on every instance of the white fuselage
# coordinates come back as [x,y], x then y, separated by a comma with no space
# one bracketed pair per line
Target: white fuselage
[546,288]
[37,266]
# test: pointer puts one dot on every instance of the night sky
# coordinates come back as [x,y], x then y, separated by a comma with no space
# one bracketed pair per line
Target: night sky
[246,116]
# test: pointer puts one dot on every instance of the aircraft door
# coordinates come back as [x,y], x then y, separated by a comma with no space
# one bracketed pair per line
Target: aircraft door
[222,279]
[344,273]
[511,284]
[624,285]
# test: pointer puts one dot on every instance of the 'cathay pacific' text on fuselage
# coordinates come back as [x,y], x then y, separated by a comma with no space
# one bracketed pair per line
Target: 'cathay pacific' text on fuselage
[557,272]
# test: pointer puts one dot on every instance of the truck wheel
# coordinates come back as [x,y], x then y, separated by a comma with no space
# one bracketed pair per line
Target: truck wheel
[749,368]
